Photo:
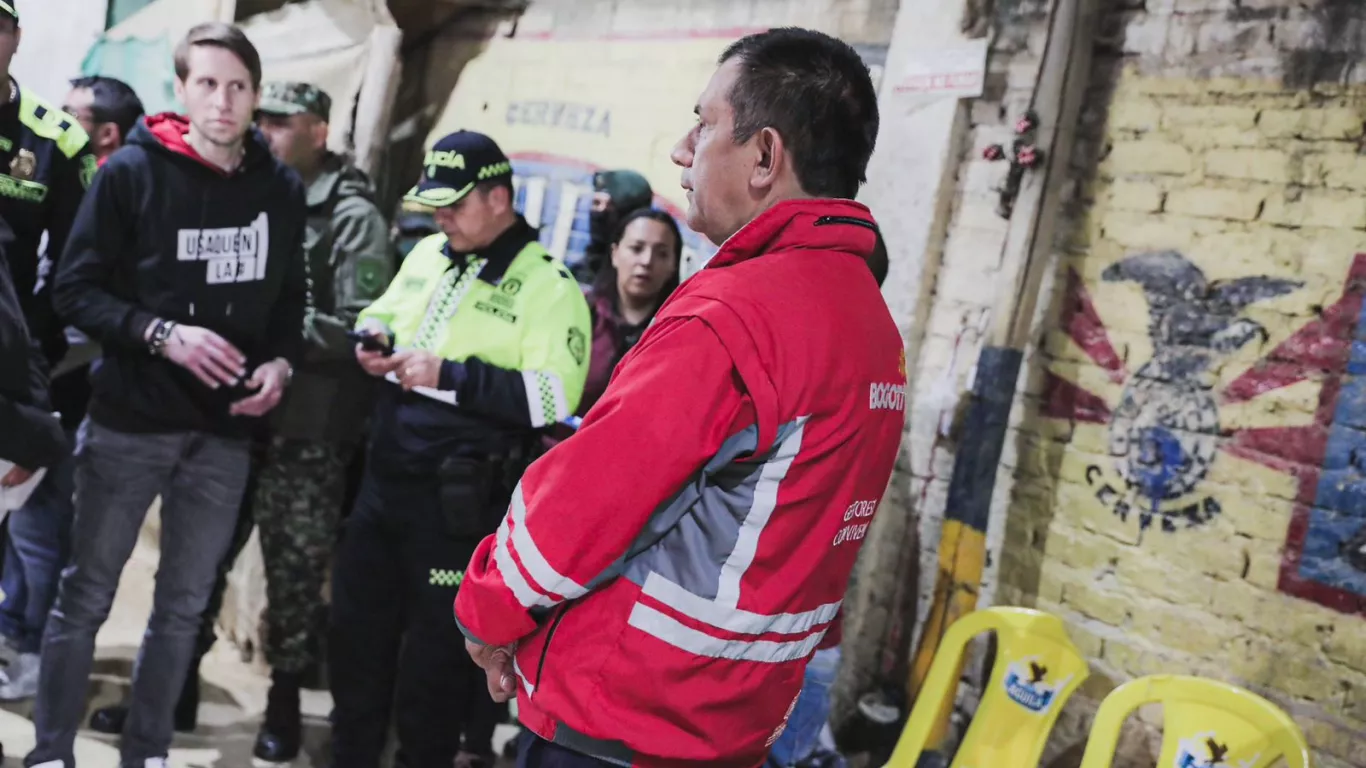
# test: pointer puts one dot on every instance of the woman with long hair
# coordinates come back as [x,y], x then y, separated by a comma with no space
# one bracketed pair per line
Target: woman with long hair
[642,272]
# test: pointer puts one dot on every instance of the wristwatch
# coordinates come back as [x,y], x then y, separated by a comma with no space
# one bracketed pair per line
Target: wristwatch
[161,333]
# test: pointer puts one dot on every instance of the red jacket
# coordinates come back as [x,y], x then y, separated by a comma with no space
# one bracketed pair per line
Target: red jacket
[667,573]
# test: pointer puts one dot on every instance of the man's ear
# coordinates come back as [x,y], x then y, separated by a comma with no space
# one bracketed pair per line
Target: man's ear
[319,132]
[772,157]
[500,199]
[107,135]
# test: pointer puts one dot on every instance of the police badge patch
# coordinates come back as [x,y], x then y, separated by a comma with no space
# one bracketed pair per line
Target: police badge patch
[24,165]
[578,345]
[88,167]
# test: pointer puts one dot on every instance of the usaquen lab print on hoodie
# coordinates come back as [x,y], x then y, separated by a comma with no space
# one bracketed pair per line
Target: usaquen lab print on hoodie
[163,233]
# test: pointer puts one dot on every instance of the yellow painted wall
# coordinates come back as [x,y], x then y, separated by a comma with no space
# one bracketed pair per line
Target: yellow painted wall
[564,108]
[1237,446]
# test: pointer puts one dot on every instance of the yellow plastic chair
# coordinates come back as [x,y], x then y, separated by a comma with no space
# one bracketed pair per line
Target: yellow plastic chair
[1204,724]
[1036,670]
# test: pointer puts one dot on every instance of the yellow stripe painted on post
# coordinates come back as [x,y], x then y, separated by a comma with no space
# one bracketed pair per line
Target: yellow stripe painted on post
[962,553]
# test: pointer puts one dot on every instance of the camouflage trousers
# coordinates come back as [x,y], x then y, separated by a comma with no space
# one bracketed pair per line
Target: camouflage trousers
[297,505]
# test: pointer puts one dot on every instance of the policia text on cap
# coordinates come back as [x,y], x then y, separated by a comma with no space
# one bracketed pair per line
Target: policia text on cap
[487,343]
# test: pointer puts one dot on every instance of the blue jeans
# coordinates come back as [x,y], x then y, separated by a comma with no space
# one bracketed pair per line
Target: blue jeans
[200,479]
[36,550]
[803,731]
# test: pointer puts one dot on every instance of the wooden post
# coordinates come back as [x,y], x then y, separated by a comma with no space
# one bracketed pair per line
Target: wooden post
[375,103]
[1063,77]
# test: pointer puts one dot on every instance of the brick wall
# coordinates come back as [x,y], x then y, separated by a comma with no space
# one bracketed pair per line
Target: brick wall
[1183,482]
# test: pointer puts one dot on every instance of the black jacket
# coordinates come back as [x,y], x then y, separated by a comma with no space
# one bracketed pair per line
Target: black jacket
[164,234]
[30,435]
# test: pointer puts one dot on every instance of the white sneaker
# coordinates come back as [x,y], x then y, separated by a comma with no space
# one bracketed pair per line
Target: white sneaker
[51,764]
[151,762]
[8,650]
[21,679]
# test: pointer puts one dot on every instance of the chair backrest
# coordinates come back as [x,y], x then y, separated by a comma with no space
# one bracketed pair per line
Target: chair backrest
[1036,670]
[1205,724]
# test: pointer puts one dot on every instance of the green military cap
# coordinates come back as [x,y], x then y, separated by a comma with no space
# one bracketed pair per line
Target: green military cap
[281,98]
[7,8]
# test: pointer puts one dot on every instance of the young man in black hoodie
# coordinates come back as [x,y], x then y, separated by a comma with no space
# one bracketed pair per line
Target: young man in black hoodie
[185,263]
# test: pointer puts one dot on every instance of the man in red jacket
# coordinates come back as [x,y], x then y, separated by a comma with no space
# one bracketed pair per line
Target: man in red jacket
[661,580]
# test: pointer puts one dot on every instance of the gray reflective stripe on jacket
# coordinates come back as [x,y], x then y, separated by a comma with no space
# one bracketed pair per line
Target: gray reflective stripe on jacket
[691,556]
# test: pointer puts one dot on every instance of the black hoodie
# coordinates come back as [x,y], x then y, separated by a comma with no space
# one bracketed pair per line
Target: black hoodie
[162,233]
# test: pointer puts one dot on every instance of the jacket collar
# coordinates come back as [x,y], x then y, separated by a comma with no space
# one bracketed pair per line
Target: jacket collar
[320,191]
[502,250]
[812,224]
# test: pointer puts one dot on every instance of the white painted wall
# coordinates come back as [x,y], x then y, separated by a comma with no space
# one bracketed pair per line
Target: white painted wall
[56,37]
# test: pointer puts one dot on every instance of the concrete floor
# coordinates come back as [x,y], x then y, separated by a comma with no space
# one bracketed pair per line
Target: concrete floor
[233,694]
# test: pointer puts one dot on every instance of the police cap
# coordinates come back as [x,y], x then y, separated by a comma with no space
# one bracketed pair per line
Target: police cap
[453,167]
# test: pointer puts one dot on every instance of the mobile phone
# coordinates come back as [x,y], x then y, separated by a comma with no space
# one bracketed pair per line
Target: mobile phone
[370,342]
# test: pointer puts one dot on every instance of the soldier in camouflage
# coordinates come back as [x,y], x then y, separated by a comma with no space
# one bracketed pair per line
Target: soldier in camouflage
[318,427]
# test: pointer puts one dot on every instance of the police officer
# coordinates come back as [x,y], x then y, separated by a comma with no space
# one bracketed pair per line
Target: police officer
[483,341]
[46,164]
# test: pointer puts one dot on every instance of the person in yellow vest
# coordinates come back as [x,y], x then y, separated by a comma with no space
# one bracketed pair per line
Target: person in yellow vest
[483,338]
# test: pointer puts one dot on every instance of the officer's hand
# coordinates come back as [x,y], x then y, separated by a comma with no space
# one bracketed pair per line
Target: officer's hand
[375,363]
[269,380]
[418,368]
[15,477]
[496,661]
[210,357]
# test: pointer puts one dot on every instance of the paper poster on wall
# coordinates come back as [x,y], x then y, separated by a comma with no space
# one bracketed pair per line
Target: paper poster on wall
[959,71]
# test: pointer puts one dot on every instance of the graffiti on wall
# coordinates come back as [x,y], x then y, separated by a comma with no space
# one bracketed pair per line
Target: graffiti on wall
[1164,432]
[1164,428]
[565,108]
[556,193]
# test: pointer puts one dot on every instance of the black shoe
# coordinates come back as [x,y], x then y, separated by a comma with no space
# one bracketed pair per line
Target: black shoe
[109,719]
[273,748]
[282,732]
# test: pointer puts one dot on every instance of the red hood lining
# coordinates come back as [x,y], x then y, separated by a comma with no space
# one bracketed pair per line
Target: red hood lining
[170,130]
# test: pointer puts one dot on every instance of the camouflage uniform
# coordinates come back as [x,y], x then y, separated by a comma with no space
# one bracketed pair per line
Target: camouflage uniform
[317,428]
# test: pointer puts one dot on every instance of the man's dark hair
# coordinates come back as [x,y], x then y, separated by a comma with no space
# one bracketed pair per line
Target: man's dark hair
[114,101]
[220,35]
[816,92]
[503,182]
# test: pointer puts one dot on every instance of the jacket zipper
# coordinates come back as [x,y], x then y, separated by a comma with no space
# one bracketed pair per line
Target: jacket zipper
[545,649]
[825,220]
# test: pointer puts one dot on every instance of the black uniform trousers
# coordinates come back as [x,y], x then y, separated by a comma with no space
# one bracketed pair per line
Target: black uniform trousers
[535,752]
[395,649]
